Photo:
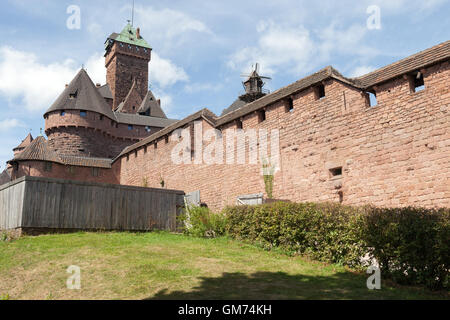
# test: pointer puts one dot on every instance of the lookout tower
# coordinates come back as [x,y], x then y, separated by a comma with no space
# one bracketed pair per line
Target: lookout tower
[126,59]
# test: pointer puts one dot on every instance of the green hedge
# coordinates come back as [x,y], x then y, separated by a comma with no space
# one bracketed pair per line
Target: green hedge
[411,244]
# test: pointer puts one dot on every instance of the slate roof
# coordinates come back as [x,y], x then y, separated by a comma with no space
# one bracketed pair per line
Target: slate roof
[136,119]
[25,142]
[151,105]
[105,91]
[237,104]
[82,94]
[4,177]
[39,150]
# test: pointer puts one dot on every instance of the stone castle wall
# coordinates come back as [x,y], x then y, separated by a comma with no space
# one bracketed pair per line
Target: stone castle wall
[94,135]
[396,153]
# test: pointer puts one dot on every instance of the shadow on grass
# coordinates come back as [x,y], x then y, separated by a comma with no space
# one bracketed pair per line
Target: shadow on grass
[279,285]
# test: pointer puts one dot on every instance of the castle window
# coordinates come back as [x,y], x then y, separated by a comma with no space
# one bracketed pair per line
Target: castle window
[112,123]
[336,172]
[148,129]
[156,145]
[416,82]
[121,44]
[130,127]
[145,50]
[134,108]
[95,172]
[166,139]
[290,105]
[371,99]
[62,113]
[47,166]
[261,116]
[71,169]
[83,113]
[319,91]
[101,117]
[239,124]
[145,149]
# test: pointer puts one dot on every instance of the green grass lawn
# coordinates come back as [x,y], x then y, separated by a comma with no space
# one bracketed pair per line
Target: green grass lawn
[169,266]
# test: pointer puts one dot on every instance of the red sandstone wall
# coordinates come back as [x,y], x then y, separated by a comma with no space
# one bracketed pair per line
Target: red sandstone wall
[37,169]
[97,135]
[394,154]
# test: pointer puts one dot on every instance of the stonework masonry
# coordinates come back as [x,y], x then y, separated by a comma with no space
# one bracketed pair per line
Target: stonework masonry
[396,153]
[124,64]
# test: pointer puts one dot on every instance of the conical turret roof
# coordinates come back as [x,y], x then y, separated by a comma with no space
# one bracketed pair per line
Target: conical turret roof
[82,94]
[25,142]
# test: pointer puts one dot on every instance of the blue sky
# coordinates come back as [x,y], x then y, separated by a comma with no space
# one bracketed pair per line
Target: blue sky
[200,48]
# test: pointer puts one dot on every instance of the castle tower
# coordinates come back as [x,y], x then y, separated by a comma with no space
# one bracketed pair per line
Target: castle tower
[126,60]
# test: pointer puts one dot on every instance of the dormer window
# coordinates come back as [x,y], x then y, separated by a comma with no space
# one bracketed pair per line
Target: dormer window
[73,95]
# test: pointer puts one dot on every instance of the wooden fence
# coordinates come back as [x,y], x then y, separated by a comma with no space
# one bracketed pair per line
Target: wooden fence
[31,202]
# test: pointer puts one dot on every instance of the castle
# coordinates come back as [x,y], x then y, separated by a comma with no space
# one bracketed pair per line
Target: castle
[381,139]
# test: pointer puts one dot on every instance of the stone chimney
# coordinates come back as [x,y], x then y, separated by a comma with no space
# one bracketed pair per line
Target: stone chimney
[138,33]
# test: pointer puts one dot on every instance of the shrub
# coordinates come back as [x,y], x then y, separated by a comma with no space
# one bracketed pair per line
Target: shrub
[325,232]
[412,245]
[202,222]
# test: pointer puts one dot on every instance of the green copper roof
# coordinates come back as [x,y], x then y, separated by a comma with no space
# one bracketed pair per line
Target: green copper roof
[128,35]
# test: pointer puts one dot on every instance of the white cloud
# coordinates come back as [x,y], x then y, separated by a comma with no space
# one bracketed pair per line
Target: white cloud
[37,85]
[164,72]
[361,70]
[168,26]
[298,50]
[95,66]
[287,47]
[8,124]
[22,76]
